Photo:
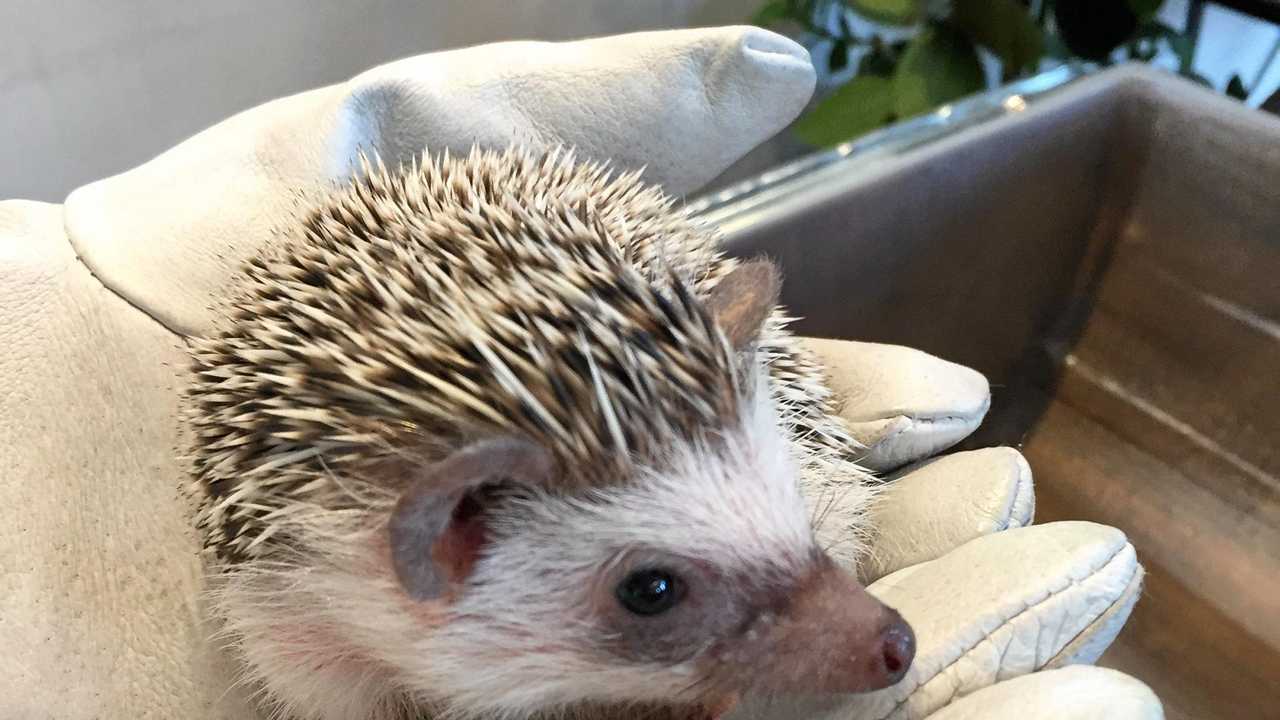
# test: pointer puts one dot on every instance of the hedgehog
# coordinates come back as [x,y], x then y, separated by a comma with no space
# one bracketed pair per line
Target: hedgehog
[510,435]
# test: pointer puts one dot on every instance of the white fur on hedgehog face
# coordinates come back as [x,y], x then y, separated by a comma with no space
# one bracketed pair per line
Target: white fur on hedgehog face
[539,611]
[538,623]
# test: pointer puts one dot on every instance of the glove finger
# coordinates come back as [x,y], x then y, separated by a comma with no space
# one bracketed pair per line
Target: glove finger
[1073,693]
[1014,601]
[902,404]
[683,104]
[931,508]
[998,607]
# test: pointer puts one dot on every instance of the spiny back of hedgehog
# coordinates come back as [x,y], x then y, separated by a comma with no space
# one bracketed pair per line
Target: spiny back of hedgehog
[330,537]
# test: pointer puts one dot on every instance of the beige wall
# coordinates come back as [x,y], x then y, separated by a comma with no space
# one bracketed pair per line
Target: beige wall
[92,87]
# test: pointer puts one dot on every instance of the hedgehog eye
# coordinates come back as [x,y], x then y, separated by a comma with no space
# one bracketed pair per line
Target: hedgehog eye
[651,591]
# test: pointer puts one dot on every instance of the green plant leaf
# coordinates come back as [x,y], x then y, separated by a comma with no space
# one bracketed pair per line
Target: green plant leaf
[889,12]
[1236,89]
[1003,26]
[1182,45]
[859,106]
[1145,9]
[940,65]
[1055,48]
[771,13]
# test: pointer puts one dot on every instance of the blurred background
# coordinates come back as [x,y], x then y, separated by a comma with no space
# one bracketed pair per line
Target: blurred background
[88,89]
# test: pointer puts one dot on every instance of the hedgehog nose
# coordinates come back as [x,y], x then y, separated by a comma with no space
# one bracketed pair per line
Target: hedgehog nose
[897,650]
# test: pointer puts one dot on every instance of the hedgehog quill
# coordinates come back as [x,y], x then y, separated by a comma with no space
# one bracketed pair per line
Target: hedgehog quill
[509,436]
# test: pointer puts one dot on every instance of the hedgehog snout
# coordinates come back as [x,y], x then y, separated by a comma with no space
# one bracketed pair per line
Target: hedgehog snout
[832,637]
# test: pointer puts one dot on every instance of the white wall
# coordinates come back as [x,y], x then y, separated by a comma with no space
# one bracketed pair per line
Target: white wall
[89,88]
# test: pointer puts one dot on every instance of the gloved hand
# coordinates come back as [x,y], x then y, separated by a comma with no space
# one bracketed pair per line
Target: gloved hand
[99,578]
[1000,607]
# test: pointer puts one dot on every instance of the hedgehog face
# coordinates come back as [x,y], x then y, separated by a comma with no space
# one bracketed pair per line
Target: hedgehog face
[692,583]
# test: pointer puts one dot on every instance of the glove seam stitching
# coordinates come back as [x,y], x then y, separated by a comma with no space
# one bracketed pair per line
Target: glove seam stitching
[1011,508]
[987,638]
[1133,575]
[926,420]
[913,423]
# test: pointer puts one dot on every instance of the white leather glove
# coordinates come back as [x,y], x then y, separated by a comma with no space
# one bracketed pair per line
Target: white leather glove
[99,577]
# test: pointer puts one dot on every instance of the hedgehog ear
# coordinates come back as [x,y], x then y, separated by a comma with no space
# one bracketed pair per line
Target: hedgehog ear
[743,299]
[437,528]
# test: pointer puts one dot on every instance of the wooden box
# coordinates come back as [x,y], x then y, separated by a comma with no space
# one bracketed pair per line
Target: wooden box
[1108,253]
